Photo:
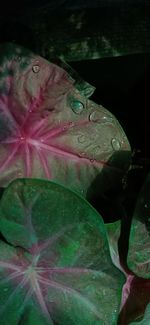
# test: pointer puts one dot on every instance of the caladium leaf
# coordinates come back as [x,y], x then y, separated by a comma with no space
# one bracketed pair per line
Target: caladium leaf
[55,266]
[49,129]
[139,241]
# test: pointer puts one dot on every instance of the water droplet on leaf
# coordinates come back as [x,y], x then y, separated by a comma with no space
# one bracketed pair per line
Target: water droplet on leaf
[99,117]
[77,106]
[81,138]
[107,119]
[36,68]
[115,144]
[96,117]
[82,155]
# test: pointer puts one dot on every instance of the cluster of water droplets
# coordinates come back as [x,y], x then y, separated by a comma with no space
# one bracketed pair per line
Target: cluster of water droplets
[100,118]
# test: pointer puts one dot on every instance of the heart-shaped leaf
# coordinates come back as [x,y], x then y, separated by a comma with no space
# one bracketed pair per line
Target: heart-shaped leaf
[48,129]
[139,241]
[55,266]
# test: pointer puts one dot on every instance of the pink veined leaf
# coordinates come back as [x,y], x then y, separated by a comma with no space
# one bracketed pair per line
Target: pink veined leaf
[49,129]
[55,266]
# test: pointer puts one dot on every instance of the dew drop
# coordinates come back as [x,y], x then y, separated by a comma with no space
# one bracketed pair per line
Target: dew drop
[81,138]
[107,119]
[82,154]
[115,144]
[99,117]
[96,117]
[36,68]
[77,106]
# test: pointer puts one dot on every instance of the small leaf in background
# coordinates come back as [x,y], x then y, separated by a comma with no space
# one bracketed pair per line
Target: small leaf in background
[137,286]
[135,291]
[139,241]
[56,265]
[135,297]
[113,233]
[49,129]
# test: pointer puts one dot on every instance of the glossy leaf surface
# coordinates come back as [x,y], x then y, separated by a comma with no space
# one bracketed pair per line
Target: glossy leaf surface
[56,264]
[49,129]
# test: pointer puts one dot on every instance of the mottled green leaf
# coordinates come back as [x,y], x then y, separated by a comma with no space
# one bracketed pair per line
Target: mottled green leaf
[56,265]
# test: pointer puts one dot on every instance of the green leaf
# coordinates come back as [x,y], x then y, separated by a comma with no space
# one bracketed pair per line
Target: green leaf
[56,265]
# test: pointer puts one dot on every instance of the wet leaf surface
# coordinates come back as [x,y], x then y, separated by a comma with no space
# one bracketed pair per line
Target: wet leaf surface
[49,129]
